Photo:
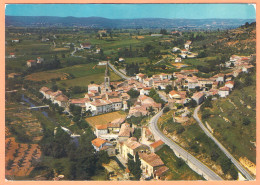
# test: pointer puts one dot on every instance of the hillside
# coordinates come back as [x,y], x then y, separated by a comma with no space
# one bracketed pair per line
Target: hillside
[100,22]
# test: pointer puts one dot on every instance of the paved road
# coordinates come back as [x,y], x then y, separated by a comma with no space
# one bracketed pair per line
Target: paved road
[75,50]
[197,165]
[117,72]
[234,161]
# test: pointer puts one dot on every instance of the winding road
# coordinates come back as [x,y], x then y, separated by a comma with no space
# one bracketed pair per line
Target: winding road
[194,163]
[234,161]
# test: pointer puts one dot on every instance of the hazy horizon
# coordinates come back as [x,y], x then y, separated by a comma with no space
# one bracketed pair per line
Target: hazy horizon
[135,11]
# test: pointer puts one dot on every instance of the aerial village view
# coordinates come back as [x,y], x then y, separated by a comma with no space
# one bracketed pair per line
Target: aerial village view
[101,96]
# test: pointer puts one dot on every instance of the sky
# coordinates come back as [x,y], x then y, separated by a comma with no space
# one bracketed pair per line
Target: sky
[128,11]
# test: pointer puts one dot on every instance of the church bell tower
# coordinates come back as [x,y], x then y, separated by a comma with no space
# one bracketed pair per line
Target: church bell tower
[107,79]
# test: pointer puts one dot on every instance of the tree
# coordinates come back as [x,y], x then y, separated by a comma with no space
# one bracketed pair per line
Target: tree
[233,173]
[225,164]
[54,87]
[192,103]
[150,109]
[133,93]
[246,121]
[166,109]
[168,89]
[137,133]
[9,164]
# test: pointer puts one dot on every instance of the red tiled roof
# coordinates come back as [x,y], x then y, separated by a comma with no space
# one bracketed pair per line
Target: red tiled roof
[44,89]
[125,130]
[31,61]
[152,159]
[62,97]
[224,88]
[79,100]
[197,95]
[161,170]
[147,88]
[101,127]
[115,100]
[98,142]
[157,144]
[173,92]
[132,143]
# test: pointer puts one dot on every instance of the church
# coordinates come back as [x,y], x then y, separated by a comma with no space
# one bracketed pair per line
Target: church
[100,101]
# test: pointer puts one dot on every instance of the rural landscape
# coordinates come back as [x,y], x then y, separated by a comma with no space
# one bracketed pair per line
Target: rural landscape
[116,99]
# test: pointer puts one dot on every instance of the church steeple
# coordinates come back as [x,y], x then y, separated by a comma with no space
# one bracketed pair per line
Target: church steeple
[107,71]
[107,79]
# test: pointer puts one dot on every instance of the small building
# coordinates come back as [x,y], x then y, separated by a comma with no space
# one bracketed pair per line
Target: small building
[160,172]
[174,95]
[145,91]
[157,145]
[220,78]
[150,163]
[125,132]
[99,143]
[86,45]
[101,130]
[45,39]
[131,146]
[175,49]
[223,92]
[198,97]
[187,46]
[79,102]
[102,63]
[140,77]
[230,84]
[15,40]
[183,55]
[98,50]
[13,75]
[93,87]
[114,126]
[31,63]
[148,82]
[156,35]
[11,55]
[116,103]
[247,68]
[121,60]
[39,60]
[61,100]
[178,59]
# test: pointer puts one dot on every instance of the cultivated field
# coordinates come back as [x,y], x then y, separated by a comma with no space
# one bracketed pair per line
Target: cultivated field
[22,155]
[82,75]
[105,118]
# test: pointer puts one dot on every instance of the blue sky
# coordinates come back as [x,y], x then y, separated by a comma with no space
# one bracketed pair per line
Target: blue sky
[122,11]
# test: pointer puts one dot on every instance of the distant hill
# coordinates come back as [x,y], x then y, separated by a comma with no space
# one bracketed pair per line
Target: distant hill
[100,22]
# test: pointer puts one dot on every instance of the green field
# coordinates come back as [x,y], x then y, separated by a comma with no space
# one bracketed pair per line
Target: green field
[83,73]
[178,169]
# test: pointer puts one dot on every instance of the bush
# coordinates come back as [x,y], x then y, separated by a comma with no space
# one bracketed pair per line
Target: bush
[166,109]
[246,121]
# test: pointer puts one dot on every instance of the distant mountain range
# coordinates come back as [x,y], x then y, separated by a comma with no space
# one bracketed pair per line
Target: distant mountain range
[100,22]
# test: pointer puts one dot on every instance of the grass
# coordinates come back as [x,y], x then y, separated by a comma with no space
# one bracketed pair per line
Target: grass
[235,136]
[105,118]
[137,60]
[176,171]
[84,74]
